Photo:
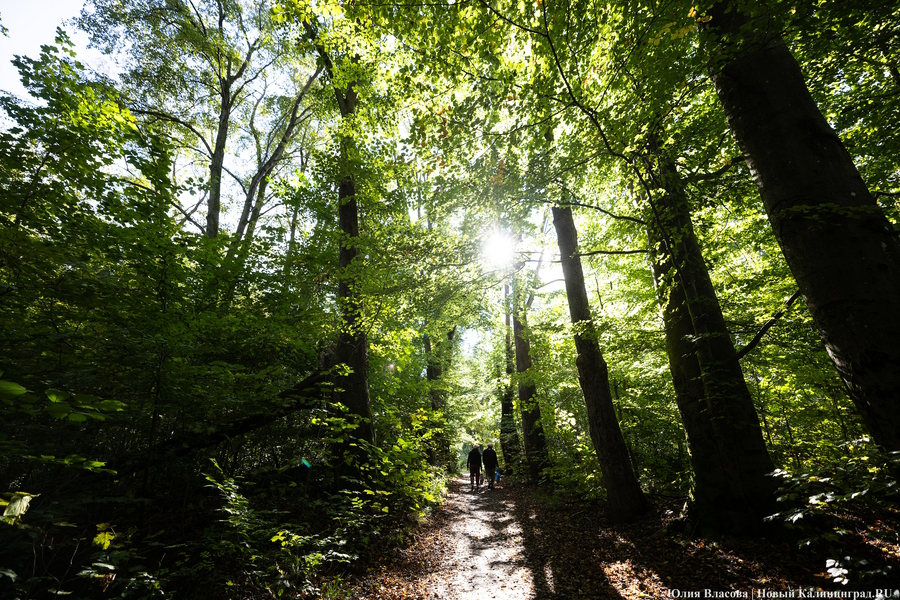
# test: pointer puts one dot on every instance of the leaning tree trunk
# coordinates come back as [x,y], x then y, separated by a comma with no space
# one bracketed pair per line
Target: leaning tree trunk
[731,490]
[509,434]
[216,165]
[840,247]
[532,428]
[626,500]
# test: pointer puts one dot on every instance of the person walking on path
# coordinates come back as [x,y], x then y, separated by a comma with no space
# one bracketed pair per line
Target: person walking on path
[474,464]
[490,465]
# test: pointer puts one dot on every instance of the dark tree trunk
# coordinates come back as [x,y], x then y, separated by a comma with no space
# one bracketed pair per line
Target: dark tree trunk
[509,434]
[353,344]
[839,246]
[626,500]
[216,164]
[532,428]
[731,491]
[352,389]
[435,356]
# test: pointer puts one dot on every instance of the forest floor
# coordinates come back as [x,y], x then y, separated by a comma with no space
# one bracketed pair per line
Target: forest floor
[514,543]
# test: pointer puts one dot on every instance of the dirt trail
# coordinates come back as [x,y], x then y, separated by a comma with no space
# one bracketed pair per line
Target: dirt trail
[487,559]
[509,544]
[470,549]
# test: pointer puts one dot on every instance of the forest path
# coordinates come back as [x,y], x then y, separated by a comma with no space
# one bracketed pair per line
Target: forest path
[500,544]
[485,556]
[515,543]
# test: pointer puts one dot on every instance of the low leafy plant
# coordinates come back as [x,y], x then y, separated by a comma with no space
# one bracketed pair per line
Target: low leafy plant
[269,553]
[865,481]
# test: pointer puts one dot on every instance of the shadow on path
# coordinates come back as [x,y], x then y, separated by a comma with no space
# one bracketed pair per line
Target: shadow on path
[509,544]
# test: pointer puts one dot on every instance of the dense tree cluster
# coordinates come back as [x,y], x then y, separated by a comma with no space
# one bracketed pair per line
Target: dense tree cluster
[248,321]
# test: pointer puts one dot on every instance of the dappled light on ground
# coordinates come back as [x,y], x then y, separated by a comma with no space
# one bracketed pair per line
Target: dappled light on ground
[514,544]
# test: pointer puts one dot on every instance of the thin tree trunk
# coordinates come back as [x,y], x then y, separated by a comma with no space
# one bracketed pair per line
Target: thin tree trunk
[266,166]
[840,247]
[509,434]
[626,500]
[439,450]
[217,161]
[532,428]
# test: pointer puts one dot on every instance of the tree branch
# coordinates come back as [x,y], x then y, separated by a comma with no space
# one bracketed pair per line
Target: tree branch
[759,335]
[176,120]
[718,172]
[563,187]
[612,252]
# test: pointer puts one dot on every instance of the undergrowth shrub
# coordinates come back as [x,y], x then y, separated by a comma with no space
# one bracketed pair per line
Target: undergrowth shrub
[866,481]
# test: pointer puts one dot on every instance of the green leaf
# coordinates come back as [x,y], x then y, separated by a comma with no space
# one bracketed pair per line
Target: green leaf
[17,507]
[104,539]
[57,395]
[10,390]
[85,400]
[59,410]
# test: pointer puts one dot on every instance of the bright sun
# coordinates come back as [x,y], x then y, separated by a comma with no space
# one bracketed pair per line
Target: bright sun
[499,250]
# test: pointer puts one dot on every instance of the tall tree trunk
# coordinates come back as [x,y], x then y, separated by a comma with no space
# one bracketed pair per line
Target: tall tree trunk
[716,499]
[840,247]
[626,500]
[509,434]
[709,491]
[351,389]
[216,165]
[532,428]
[733,491]
[439,450]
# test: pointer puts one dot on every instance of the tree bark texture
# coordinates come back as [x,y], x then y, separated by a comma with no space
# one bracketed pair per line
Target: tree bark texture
[840,247]
[626,500]
[532,428]
[729,459]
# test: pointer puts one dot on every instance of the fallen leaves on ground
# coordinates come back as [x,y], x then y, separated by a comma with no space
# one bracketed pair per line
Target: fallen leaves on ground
[511,544]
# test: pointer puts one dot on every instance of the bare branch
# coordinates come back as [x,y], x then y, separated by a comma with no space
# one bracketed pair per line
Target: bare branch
[177,121]
[563,187]
[717,173]
[759,335]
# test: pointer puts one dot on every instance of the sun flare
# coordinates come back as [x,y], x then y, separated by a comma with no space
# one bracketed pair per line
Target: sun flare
[499,250]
